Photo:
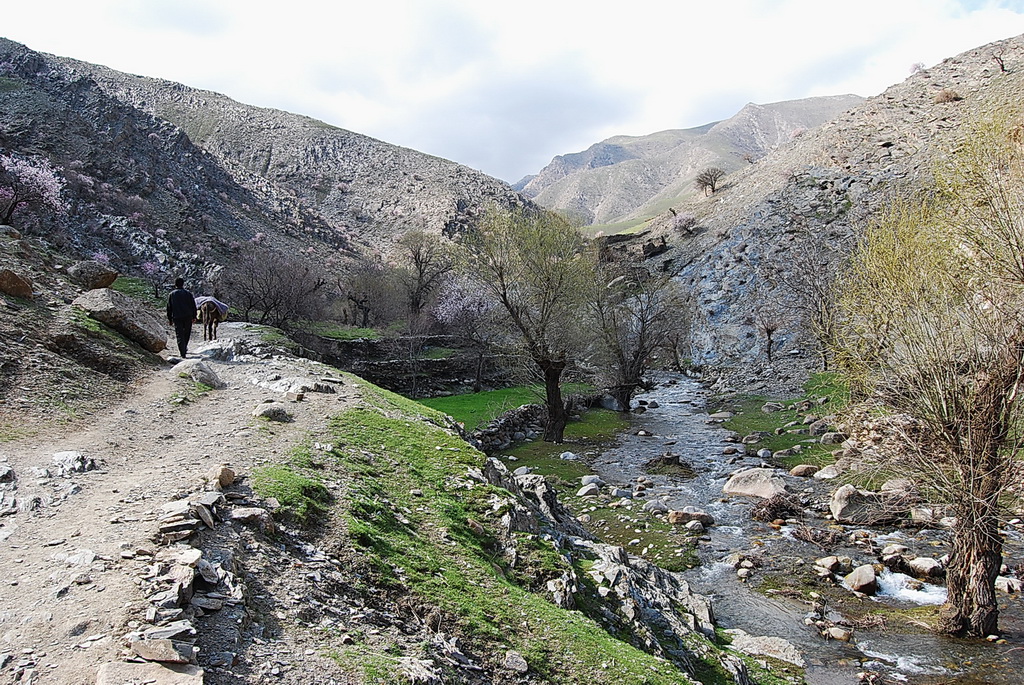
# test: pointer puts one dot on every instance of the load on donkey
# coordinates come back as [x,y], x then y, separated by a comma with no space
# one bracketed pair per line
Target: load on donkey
[211,312]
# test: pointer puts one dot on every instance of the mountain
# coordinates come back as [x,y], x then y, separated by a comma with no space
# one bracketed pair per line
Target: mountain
[157,171]
[630,178]
[779,230]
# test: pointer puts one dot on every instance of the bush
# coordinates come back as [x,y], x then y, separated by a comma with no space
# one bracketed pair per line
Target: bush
[947,95]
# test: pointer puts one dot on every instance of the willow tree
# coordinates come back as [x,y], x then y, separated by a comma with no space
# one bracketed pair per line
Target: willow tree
[533,264]
[932,336]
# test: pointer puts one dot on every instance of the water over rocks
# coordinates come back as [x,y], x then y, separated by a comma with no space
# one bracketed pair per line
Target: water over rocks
[737,553]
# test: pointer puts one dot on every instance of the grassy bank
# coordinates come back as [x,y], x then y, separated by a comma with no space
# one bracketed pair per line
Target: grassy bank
[428,530]
[824,395]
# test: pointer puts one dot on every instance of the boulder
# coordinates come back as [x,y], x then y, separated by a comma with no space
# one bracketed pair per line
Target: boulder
[15,285]
[829,472]
[655,506]
[862,507]
[763,483]
[835,564]
[1010,586]
[862,579]
[165,651]
[198,371]
[926,567]
[775,647]
[91,274]
[272,411]
[589,490]
[690,514]
[124,315]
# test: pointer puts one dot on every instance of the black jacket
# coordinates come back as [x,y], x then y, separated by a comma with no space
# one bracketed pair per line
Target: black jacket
[181,306]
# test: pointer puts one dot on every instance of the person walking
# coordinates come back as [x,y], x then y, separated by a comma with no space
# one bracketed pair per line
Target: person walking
[181,312]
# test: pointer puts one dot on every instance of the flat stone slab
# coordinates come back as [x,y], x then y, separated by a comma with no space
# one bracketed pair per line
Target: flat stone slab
[121,672]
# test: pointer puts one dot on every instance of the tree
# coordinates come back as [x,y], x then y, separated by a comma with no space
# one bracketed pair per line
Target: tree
[270,287]
[466,311]
[427,260]
[634,313]
[707,180]
[371,292]
[932,338]
[532,263]
[25,183]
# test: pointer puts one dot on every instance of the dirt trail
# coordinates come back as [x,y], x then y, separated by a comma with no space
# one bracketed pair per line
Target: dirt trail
[70,556]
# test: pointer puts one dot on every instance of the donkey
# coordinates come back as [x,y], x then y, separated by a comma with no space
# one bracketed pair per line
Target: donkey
[211,316]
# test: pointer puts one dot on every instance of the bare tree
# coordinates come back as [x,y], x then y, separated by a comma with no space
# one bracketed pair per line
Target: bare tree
[270,287]
[370,291]
[804,285]
[533,265]
[634,313]
[707,180]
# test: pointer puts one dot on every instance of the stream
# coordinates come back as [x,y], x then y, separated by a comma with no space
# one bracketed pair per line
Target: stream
[680,424]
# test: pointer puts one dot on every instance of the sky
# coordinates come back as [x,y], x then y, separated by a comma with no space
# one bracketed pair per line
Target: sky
[504,87]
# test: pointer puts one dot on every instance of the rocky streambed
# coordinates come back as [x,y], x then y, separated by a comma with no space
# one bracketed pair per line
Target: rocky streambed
[783,584]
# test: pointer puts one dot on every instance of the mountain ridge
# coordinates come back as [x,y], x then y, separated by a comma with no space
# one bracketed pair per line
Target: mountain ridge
[629,178]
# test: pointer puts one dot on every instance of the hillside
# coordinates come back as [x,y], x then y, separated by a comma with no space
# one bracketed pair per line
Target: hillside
[156,172]
[630,178]
[778,231]
[263,517]
[358,185]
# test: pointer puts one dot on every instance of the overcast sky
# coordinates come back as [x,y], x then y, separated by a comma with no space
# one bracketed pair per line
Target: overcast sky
[504,87]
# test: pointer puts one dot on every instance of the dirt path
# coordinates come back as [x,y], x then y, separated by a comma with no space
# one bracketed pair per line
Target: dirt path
[73,553]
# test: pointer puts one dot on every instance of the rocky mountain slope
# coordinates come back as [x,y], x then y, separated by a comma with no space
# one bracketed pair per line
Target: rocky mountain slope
[779,229]
[629,178]
[360,186]
[153,171]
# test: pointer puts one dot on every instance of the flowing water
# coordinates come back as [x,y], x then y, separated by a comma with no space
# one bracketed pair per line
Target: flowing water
[680,424]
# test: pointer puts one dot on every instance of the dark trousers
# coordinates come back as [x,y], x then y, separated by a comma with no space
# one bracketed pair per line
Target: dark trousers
[183,331]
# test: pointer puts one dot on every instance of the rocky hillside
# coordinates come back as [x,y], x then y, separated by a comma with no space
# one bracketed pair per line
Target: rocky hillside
[156,172]
[247,515]
[778,230]
[629,178]
[359,186]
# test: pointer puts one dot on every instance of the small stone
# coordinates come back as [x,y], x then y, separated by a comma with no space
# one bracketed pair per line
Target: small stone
[221,475]
[515,662]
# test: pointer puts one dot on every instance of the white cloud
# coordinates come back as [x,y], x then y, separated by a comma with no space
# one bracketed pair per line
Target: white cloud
[504,87]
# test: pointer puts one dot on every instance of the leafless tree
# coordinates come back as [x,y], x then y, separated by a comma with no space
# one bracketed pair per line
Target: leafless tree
[634,312]
[707,180]
[269,287]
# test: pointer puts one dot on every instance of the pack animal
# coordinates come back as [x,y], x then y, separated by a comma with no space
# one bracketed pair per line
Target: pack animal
[211,316]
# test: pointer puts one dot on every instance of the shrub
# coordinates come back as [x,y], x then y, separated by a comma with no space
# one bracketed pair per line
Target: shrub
[947,95]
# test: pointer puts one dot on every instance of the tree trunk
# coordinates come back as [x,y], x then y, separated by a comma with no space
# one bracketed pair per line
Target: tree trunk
[623,394]
[971,608]
[557,416]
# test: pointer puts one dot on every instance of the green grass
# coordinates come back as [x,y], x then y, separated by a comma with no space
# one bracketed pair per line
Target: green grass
[408,510]
[337,331]
[301,496]
[138,288]
[749,419]
[473,410]
[437,353]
